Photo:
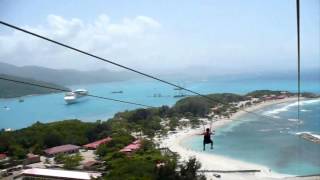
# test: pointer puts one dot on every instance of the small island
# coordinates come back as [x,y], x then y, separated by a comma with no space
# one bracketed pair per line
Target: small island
[13,90]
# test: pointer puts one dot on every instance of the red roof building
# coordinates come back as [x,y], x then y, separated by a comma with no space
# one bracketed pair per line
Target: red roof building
[281,97]
[134,146]
[3,156]
[96,144]
[32,158]
[90,165]
[68,148]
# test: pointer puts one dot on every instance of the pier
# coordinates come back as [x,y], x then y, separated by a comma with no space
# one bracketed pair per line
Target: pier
[230,171]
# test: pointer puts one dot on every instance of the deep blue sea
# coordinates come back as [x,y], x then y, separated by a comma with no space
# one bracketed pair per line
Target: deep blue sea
[47,108]
[271,142]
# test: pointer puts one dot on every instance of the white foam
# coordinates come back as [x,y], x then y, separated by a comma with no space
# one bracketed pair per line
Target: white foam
[311,101]
[287,107]
[315,135]
[264,130]
[293,120]
[307,132]
[305,110]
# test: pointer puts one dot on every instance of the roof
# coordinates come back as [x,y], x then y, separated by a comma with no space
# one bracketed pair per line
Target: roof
[90,163]
[96,144]
[30,155]
[61,149]
[135,145]
[3,156]
[60,173]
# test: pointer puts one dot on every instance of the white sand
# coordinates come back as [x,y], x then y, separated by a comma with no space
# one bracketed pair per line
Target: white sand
[218,162]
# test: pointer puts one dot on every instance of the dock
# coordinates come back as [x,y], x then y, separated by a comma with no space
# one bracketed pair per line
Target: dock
[230,171]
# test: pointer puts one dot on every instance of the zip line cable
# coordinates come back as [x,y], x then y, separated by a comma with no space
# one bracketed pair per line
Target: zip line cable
[298,74]
[124,67]
[298,53]
[63,90]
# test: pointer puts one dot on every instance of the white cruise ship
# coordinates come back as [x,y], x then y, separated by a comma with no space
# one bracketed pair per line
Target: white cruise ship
[75,96]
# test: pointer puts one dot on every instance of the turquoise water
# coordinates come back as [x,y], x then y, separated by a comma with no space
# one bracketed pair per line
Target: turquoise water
[47,108]
[271,142]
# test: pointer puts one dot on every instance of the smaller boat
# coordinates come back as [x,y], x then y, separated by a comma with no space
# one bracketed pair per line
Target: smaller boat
[21,100]
[117,92]
[177,89]
[180,95]
[157,95]
[6,108]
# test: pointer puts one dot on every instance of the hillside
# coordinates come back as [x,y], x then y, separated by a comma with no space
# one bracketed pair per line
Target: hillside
[11,89]
[64,76]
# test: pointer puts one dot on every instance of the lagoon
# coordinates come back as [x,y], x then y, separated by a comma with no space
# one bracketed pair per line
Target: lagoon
[273,143]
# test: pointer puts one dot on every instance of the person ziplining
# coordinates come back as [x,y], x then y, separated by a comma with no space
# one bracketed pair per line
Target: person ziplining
[207,135]
[207,138]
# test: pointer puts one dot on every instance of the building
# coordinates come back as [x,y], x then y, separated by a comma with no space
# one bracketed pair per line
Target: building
[3,156]
[281,97]
[31,158]
[96,144]
[134,146]
[90,165]
[54,174]
[64,149]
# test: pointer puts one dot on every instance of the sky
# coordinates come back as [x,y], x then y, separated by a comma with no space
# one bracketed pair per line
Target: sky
[230,36]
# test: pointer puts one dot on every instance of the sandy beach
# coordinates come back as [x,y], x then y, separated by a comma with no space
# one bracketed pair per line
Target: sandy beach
[218,162]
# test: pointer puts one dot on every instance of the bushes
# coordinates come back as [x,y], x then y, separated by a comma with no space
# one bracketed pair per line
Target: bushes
[188,170]
[17,151]
[200,107]
[72,161]
[69,161]
[40,136]
[131,169]
[197,106]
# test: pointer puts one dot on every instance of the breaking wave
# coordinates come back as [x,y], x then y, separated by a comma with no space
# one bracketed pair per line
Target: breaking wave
[310,133]
[287,107]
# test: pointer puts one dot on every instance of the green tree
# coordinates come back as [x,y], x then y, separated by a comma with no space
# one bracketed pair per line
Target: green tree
[132,169]
[72,161]
[189,169]
[47,161]
[167,172]
[59,158]
[17,151]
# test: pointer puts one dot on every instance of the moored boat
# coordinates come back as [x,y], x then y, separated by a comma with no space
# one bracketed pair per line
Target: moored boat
[74,96]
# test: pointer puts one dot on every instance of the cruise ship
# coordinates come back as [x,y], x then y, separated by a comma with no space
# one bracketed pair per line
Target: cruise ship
[75,96]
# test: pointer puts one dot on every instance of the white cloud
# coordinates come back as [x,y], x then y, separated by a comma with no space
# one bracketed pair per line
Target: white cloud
[122,41]
[140,42]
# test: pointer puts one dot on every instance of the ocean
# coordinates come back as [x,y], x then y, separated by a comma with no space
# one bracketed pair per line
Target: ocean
[51,107]
[271,142]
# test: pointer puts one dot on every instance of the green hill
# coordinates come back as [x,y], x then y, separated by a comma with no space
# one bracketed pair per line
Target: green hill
[65,76]
[11,89]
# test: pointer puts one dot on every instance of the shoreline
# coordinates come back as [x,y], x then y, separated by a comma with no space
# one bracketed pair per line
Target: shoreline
[218,162]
